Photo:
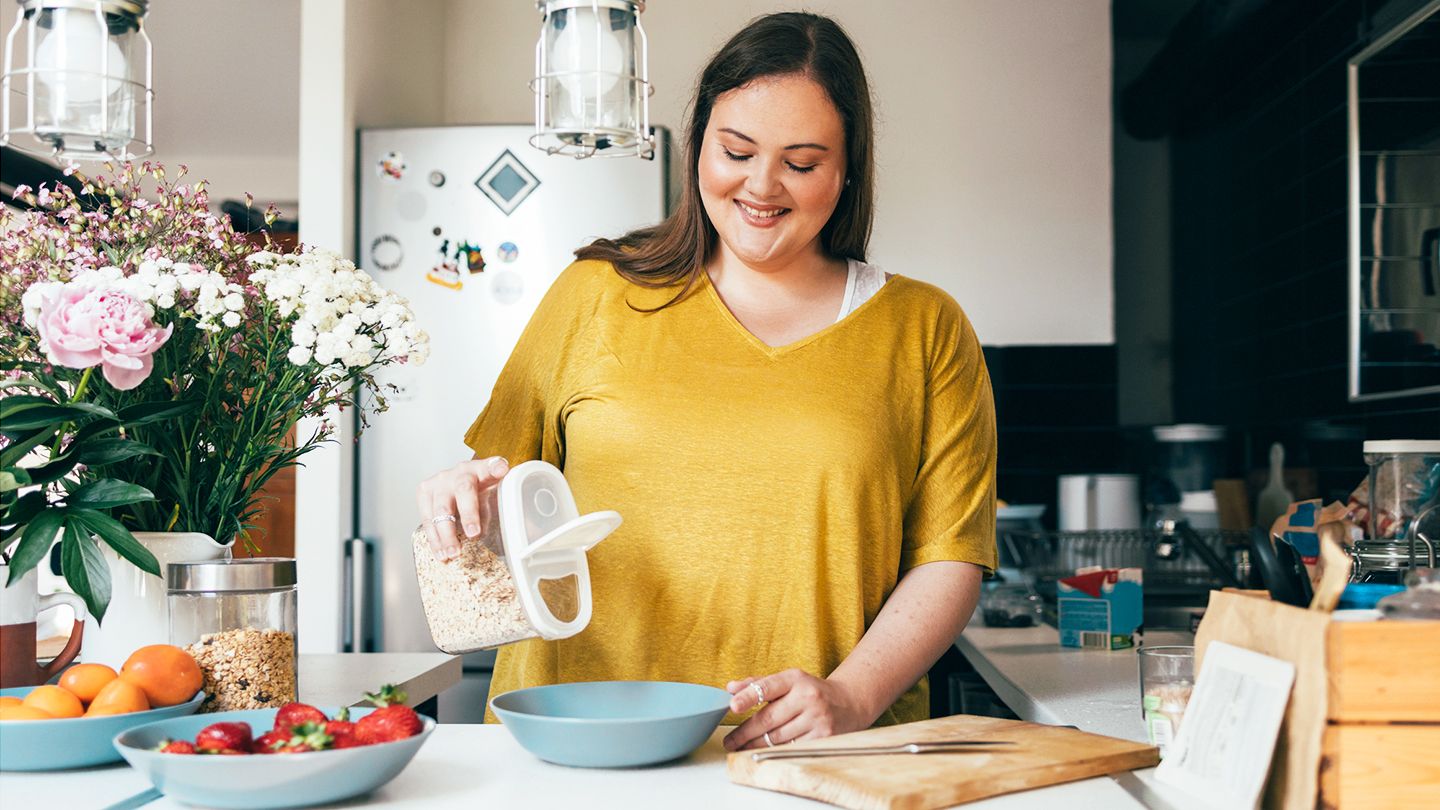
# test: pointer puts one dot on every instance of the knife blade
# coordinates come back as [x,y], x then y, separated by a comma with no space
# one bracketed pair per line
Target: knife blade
[953,747]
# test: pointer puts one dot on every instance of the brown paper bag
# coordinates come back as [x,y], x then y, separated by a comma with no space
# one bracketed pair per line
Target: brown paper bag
[1290,634]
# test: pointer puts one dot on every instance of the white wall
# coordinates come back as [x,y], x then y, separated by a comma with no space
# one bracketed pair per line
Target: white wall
[994,143]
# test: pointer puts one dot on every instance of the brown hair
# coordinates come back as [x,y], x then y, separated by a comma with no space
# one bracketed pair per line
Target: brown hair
[790,43]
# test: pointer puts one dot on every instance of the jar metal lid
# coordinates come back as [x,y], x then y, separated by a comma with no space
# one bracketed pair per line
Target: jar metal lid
[1188,433]
[244,574]
[1402,446]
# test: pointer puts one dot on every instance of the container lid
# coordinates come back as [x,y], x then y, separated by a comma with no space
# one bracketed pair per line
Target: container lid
[1199,501]
[1188,433]
[245,574]
[1403,446]
[546,537]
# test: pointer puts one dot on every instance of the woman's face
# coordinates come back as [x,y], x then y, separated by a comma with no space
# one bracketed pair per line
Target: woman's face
[771,169]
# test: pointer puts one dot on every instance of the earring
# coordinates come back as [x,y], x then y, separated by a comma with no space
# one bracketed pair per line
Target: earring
[847,182]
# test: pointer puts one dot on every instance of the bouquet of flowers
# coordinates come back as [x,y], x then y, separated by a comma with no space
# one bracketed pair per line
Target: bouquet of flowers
[210,354]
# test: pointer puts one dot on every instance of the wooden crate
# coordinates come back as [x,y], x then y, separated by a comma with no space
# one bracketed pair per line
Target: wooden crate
[1383,672]
[1380,765]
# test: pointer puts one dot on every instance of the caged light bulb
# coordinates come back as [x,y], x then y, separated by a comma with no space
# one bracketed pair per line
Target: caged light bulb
[583,46]
[69,59]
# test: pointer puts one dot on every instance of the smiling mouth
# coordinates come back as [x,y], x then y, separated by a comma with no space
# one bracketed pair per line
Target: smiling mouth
[762,215]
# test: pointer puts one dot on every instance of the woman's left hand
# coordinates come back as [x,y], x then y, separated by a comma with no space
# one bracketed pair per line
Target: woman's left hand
[797,706]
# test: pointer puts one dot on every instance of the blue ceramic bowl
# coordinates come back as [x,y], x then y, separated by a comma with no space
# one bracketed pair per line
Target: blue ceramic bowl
[263,781]
[612,724]
[76,742]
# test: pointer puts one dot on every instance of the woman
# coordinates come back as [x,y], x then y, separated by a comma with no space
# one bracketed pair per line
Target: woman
[803,448]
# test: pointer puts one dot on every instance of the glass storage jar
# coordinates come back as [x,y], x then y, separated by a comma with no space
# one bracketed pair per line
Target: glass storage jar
[237,618]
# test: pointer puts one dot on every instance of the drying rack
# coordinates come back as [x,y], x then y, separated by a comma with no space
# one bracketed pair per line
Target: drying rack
[1170,565]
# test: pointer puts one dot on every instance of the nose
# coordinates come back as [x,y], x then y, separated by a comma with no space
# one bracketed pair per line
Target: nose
[763,180]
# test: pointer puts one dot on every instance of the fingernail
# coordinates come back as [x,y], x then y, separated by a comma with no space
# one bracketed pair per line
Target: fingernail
[499,467]
[471,529]
[451,552]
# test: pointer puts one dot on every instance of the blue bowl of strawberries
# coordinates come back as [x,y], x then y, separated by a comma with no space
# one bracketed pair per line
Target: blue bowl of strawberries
[294,756]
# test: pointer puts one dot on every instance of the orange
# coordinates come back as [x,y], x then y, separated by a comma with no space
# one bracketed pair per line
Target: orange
[7,702]
[54,701]
[167,674]
[23,713]
[118,697]
[85,680]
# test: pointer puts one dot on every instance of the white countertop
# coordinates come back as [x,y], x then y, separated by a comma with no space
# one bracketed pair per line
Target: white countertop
[480,766]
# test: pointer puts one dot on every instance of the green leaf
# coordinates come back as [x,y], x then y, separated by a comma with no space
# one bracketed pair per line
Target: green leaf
[17,403]
[29,382]
[85,569]
[35,542]
[108,451]
[119,538]
[144,413]
[25,508]
[14,478]
[54,471]
[40,416]
[10,456]
[108,493]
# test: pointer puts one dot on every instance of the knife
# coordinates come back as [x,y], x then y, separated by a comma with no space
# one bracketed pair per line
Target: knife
[957,747]
[138,800]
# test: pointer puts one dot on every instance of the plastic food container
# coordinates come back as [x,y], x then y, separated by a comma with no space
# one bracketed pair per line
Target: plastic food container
[1403,488]
[237,619]
[524,577]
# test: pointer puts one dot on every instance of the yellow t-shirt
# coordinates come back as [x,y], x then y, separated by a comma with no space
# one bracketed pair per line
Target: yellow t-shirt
[772,497]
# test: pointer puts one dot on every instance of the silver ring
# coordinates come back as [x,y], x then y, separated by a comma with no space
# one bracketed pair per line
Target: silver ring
[442,518]
[759,692]
[768,741]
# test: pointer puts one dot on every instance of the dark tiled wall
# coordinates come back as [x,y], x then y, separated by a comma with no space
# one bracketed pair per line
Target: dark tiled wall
[1055,408]
[1260,232]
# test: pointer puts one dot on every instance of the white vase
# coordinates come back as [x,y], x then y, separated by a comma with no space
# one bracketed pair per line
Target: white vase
[138,613]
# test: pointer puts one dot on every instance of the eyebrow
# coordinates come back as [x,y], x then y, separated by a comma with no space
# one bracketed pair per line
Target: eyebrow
[742,136]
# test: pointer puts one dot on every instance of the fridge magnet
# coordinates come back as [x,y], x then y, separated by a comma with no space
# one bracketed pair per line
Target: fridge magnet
[437,178]
[508,252]
[391,166]
[386,252]
[446,274]
[507,287]
[435,231]
[507,182]
[474,260]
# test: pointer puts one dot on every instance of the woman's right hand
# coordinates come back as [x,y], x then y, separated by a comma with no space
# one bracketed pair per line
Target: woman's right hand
[459,496]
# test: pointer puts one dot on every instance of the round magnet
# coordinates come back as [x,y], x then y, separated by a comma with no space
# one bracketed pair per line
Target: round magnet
[435,231]
[391,166]
[437,178]
[507,287]
[386,252]
[508,252]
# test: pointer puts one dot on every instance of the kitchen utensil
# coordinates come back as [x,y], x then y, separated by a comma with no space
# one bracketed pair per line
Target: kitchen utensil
[1099,502]
[612,724]
[1041,755]
[1293,568]
[1334,566]
[76,742]
[1274,498]
[1278,579]
[258,782]
[140,799]
[942,747]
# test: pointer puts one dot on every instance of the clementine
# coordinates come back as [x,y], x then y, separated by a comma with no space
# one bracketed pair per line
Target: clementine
[118,697]
[54,701]
[167,674]
[85,680]
[8,701]
[23,713]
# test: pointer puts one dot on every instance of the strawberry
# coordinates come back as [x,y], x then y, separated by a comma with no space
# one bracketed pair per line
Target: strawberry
[267,743]
[392,721]
[224,738]
[176,747]
[296,714]
[305,737]
[342,731]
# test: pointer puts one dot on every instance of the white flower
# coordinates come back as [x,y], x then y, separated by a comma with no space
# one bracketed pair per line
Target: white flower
[299,355]
[231,319]
[234,301]
[165,300]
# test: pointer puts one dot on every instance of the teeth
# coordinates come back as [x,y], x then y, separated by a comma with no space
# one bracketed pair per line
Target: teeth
[761,214]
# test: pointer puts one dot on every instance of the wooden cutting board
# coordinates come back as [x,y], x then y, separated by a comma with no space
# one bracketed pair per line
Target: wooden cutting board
[1041,755]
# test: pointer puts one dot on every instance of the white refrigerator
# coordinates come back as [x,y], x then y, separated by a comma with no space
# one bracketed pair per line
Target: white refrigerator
[472,225]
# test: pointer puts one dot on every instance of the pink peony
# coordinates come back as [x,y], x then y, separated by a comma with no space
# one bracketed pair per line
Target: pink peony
[85,326]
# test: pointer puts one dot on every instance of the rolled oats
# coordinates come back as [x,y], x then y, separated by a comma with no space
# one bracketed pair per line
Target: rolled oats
[246,669]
